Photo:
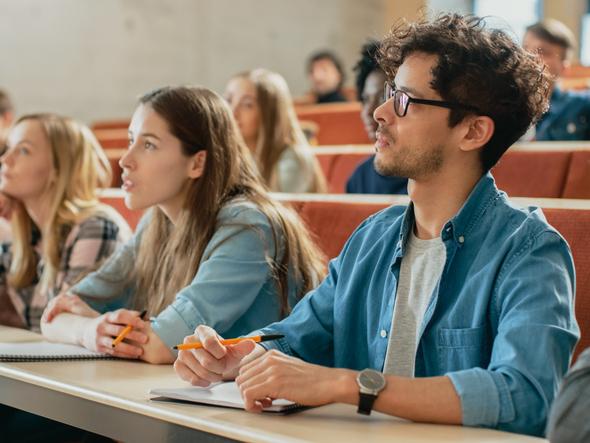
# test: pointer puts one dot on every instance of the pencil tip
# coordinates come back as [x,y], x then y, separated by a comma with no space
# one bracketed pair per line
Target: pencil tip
[175,347]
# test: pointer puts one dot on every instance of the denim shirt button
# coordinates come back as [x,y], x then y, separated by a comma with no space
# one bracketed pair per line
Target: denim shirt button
[461,239]
[383,333]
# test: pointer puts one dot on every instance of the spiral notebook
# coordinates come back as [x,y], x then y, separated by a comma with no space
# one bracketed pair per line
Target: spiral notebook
[222,394]
[46,351]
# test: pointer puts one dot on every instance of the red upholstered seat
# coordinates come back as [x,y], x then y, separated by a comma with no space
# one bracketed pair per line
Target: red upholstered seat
[342,168]
[577,184]
[332,223]
[339,123]
[574,225]
[532,173]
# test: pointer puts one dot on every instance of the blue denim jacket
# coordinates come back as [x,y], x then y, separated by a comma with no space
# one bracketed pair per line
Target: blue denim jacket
[500,322]
[568,117]
[233,290]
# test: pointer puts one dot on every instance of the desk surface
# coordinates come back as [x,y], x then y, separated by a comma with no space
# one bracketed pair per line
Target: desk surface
[111,397]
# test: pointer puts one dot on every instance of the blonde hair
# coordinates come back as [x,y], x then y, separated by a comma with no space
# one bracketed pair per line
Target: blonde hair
[80,167]
[169,256]
[279,128]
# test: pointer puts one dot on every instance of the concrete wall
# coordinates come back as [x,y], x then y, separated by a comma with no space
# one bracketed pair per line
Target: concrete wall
[91,59]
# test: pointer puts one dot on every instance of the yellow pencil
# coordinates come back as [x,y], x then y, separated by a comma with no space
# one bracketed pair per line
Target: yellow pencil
[229,341]
[126,331]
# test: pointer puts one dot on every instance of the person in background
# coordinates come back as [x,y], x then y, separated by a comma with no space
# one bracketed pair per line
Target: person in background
[50,175]
[455,309]
[6,118]
[370,79]
[213,248]
[262,106]
[568,421]
[326,76]
[568,117]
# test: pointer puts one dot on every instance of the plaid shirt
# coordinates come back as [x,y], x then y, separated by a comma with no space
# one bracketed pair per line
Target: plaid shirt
[86,246]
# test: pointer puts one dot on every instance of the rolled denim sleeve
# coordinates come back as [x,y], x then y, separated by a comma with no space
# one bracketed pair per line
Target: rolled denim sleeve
[234,269]
[534,305]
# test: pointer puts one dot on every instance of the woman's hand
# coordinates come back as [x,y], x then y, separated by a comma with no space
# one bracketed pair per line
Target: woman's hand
[98,334]
[70,303]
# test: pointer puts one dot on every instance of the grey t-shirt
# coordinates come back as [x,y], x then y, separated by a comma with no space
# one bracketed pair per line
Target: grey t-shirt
[420,271]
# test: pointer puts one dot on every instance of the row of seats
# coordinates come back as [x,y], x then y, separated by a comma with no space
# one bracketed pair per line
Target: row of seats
[545,170]
[332,219]
[332,124]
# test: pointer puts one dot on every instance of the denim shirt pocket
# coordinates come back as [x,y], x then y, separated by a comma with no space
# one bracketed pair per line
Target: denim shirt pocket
[462,348]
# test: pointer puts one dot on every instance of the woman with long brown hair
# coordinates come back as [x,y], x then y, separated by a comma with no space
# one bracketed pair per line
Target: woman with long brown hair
[262,105]
[213,249]
[51,172]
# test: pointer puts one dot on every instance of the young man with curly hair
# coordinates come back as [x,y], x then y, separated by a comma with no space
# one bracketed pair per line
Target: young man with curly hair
[456,309]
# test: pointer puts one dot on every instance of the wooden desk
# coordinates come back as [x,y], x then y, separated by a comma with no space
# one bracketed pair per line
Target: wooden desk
[111,398]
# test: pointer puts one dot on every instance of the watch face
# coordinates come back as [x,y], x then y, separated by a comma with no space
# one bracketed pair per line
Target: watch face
[371,379]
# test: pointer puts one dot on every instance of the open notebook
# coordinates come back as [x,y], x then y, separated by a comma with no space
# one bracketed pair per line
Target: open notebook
[45,351]
[221,394]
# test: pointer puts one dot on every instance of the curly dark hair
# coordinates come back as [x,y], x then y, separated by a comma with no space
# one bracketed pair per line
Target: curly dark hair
[367,64]
[481,67]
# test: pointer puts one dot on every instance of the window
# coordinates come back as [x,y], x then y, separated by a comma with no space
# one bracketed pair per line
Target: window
[512,16]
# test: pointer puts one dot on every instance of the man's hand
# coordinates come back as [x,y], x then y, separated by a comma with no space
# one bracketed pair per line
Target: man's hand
[213,362]
[275,375]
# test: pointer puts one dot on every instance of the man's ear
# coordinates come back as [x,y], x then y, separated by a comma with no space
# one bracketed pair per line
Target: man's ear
[197,164]
[479,132]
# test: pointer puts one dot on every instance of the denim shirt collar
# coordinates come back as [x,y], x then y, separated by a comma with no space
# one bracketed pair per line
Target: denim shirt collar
[461,225]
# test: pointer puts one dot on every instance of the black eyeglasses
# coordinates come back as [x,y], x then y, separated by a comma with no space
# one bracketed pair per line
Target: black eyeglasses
[401,101]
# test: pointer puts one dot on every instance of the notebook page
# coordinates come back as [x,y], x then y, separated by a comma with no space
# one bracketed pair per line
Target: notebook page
[221,394]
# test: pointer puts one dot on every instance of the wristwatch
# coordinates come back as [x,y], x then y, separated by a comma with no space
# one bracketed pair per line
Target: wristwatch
[371,383]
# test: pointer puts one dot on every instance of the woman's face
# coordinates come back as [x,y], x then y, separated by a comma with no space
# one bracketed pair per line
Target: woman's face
[27,164]
[155,170]
[240,93]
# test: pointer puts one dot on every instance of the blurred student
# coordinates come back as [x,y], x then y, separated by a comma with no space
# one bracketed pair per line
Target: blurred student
[50,176]
[568,117]
[214,248]
[370,79]
[262,106]
[326,76]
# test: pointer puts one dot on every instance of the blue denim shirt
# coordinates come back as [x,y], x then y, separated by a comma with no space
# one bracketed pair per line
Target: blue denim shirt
[568,117]
[500,322]
[233,290]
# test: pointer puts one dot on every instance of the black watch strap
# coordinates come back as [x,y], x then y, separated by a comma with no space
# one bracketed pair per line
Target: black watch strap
[366,403]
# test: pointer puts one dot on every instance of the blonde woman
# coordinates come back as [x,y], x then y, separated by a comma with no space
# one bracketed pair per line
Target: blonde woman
[214,248]
[50,174]
[261,103]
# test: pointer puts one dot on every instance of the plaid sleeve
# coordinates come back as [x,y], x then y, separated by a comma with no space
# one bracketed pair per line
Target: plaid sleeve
[86,247]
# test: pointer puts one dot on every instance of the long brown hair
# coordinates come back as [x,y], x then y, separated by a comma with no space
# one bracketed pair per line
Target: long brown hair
[279,128]
[81,167]
[169,256]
